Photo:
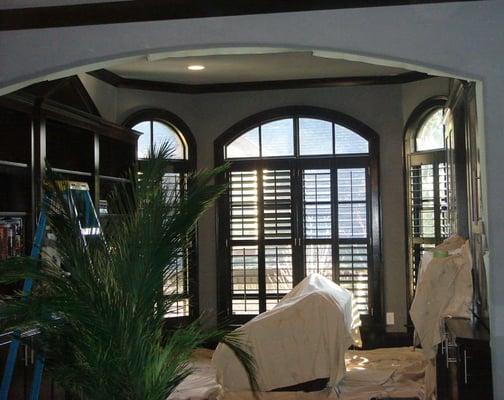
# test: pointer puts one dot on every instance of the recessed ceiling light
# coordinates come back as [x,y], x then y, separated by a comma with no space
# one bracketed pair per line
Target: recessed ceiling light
[196,67]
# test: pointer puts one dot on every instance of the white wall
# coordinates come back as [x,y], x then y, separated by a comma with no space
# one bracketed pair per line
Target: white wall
[103,95]
[457,38]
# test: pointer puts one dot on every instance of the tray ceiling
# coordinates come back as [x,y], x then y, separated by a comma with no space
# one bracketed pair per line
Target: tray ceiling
[235,68]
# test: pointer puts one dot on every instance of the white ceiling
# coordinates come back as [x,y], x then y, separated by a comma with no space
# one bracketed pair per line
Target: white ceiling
[12,4]
[232,68]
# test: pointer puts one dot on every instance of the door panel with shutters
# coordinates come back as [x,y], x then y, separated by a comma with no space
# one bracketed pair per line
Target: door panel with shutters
[353,244]
[289,222]
[243,242]
[278,234]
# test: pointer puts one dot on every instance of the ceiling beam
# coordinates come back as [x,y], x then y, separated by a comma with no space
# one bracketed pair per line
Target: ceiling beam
[157,10]
[141,84]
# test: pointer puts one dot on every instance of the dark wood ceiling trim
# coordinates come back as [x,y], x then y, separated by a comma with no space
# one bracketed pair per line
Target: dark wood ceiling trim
[141,84]
[156,10]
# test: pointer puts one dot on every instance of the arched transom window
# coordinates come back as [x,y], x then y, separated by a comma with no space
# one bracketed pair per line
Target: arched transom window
[154,133]
[300,201]
[430,136]
[313,136]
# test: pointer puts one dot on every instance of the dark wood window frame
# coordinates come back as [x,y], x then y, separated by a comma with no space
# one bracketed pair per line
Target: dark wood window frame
[370,161]
[182,167]
[412,157]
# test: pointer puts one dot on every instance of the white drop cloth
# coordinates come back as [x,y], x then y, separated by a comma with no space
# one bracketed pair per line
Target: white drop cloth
[392,372]
[444,290]
[303,338]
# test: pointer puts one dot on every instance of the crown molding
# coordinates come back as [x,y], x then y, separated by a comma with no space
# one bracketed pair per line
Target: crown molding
[141,84]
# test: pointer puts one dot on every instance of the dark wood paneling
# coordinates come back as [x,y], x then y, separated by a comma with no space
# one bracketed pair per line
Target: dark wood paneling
[115,157]
[15,136]
[14,189]
[157,10]
[69,148]
[141,84]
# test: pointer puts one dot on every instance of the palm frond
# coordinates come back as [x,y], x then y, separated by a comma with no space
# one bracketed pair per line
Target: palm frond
[101,315]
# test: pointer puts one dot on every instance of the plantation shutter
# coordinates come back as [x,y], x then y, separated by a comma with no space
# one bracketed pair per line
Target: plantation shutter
[177,284]
[428,197]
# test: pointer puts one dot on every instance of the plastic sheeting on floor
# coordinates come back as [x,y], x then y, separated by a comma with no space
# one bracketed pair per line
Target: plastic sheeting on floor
[303,338]
[390,372]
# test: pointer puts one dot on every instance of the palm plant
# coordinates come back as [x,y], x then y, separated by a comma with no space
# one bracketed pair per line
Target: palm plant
[101,318]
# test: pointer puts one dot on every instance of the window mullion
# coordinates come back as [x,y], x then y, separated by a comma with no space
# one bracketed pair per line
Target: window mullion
[372,281]
[296,136]
[298,221]
[261,241]
[334,217]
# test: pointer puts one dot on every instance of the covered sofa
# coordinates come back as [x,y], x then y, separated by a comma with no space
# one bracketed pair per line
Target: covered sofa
[303,338]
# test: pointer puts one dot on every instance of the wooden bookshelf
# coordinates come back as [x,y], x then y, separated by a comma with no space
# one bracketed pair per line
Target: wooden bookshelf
[53,123]
[56,124]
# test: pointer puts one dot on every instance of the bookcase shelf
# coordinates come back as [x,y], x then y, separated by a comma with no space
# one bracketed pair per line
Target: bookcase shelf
[56,124]
[10,164]
[13,214]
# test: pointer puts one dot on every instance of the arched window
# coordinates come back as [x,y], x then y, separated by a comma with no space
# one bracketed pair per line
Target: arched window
[303,198]
[157,127]
[430,136]
[427,182]
[154,133]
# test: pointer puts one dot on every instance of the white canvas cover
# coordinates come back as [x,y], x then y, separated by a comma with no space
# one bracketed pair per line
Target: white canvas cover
[444,290]
[304,337]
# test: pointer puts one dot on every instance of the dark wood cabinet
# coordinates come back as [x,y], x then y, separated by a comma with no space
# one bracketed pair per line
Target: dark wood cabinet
[53,123]
[463,362]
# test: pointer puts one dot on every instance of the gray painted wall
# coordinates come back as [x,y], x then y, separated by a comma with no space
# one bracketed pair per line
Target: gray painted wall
[463,39]
[416,92]
[383,108]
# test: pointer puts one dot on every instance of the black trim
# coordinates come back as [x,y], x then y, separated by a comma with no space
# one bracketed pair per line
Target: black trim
[371,161]
[142,84]
[158,10]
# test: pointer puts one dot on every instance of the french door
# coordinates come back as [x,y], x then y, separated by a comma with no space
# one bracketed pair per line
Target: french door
[286,219]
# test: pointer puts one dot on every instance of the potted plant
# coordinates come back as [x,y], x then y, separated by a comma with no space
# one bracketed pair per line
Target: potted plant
[101,313]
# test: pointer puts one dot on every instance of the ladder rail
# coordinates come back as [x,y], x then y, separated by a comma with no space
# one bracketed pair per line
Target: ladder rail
[16,336]
[14,344]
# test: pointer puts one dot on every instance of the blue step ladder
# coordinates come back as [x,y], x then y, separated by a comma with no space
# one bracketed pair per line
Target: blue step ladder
[81,205]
